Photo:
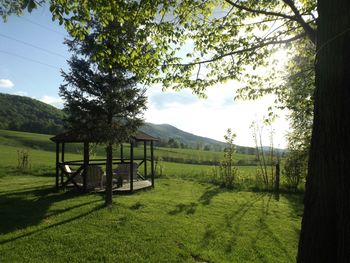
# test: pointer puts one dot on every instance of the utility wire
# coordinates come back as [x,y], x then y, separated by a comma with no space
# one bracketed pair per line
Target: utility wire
[29,59]
[33,46]
[44,27]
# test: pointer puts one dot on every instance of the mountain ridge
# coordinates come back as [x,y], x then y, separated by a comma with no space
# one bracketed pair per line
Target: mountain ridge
[21,113]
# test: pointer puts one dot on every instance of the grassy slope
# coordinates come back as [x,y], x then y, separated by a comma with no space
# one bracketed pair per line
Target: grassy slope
[42,142]
[178,221]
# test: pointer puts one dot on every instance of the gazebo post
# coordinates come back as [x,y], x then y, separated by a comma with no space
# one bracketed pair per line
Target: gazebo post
[57,163]
[131,166]
[145,158]
[62,161]
[121,153]
[86,163]
[152,164]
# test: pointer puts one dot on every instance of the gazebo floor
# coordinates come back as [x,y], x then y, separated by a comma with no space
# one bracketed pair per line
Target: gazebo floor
[137,185]
[125,189]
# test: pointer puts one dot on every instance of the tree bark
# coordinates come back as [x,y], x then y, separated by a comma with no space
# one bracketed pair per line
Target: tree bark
[325,231]
[109,174]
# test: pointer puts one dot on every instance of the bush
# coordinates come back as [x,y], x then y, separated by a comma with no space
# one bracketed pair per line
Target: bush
[159,167]
[295,169]
[23,162]
[227,172]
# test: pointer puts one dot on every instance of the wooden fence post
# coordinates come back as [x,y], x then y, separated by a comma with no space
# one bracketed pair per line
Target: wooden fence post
[277,177]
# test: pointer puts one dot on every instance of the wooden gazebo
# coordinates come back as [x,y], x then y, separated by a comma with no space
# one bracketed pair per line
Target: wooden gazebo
[65,178]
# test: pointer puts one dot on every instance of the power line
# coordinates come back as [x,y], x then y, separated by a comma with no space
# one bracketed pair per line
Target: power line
[31,45]
[29,59]
[44,27]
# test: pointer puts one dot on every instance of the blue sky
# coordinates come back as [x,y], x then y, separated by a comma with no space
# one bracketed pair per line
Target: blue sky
[32,54]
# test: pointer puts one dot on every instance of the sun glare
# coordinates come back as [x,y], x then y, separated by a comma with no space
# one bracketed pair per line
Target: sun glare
[280,57]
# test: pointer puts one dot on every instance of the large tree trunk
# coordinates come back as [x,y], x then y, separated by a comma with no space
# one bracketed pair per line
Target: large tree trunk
[325,231]
[109,174]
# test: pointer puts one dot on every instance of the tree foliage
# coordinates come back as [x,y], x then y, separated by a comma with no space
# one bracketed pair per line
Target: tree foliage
[295,168]
[145,56]
[229,37]
[102,99]
[8,7]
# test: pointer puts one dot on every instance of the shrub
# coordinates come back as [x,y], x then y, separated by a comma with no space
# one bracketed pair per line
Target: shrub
[23,162]
[227,172]
[295,169]
[159,167]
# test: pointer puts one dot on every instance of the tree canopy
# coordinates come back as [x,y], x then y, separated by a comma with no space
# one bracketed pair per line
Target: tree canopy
[102,99]
[231,38]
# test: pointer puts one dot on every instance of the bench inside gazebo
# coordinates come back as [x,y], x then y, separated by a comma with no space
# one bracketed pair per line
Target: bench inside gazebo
[86,174]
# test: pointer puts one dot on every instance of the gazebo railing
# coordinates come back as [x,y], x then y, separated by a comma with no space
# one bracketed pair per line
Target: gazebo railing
[80,168]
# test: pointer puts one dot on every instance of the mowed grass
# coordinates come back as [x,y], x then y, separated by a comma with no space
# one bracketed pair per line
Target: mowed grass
[180,220]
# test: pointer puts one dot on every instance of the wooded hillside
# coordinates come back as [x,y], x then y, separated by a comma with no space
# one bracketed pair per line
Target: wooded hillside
[21,113]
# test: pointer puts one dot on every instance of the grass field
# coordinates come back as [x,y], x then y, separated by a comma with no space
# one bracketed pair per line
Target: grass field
[34,141]
[180,220]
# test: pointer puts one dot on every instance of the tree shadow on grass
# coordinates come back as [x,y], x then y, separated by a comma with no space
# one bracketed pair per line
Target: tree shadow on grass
[233,220]
[188,209]
[295,201]
[204,199]
[30,207]
[98,207]
[209,194]
[265,230]
[137,206]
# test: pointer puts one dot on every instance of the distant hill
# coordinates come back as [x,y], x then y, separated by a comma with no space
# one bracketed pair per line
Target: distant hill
[21,113]
[166,132]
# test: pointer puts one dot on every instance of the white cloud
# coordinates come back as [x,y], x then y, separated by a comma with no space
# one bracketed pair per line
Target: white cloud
[212,116]
[21,93]
[6,83]
[54,101]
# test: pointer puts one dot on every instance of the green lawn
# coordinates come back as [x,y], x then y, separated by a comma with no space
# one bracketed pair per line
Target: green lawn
[178,221]
[181,220]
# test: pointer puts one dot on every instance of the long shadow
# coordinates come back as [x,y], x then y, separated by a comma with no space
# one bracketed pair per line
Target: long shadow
[29,207]
[232,222]
[183,208]
[296,202]
[264,229]
[23,191]
[207,196]
[204,199]
[54,225]
[234,219]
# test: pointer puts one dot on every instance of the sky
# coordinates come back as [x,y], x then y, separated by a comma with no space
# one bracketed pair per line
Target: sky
[32,54]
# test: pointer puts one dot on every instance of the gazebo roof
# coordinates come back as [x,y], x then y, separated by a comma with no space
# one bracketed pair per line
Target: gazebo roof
[70,136]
